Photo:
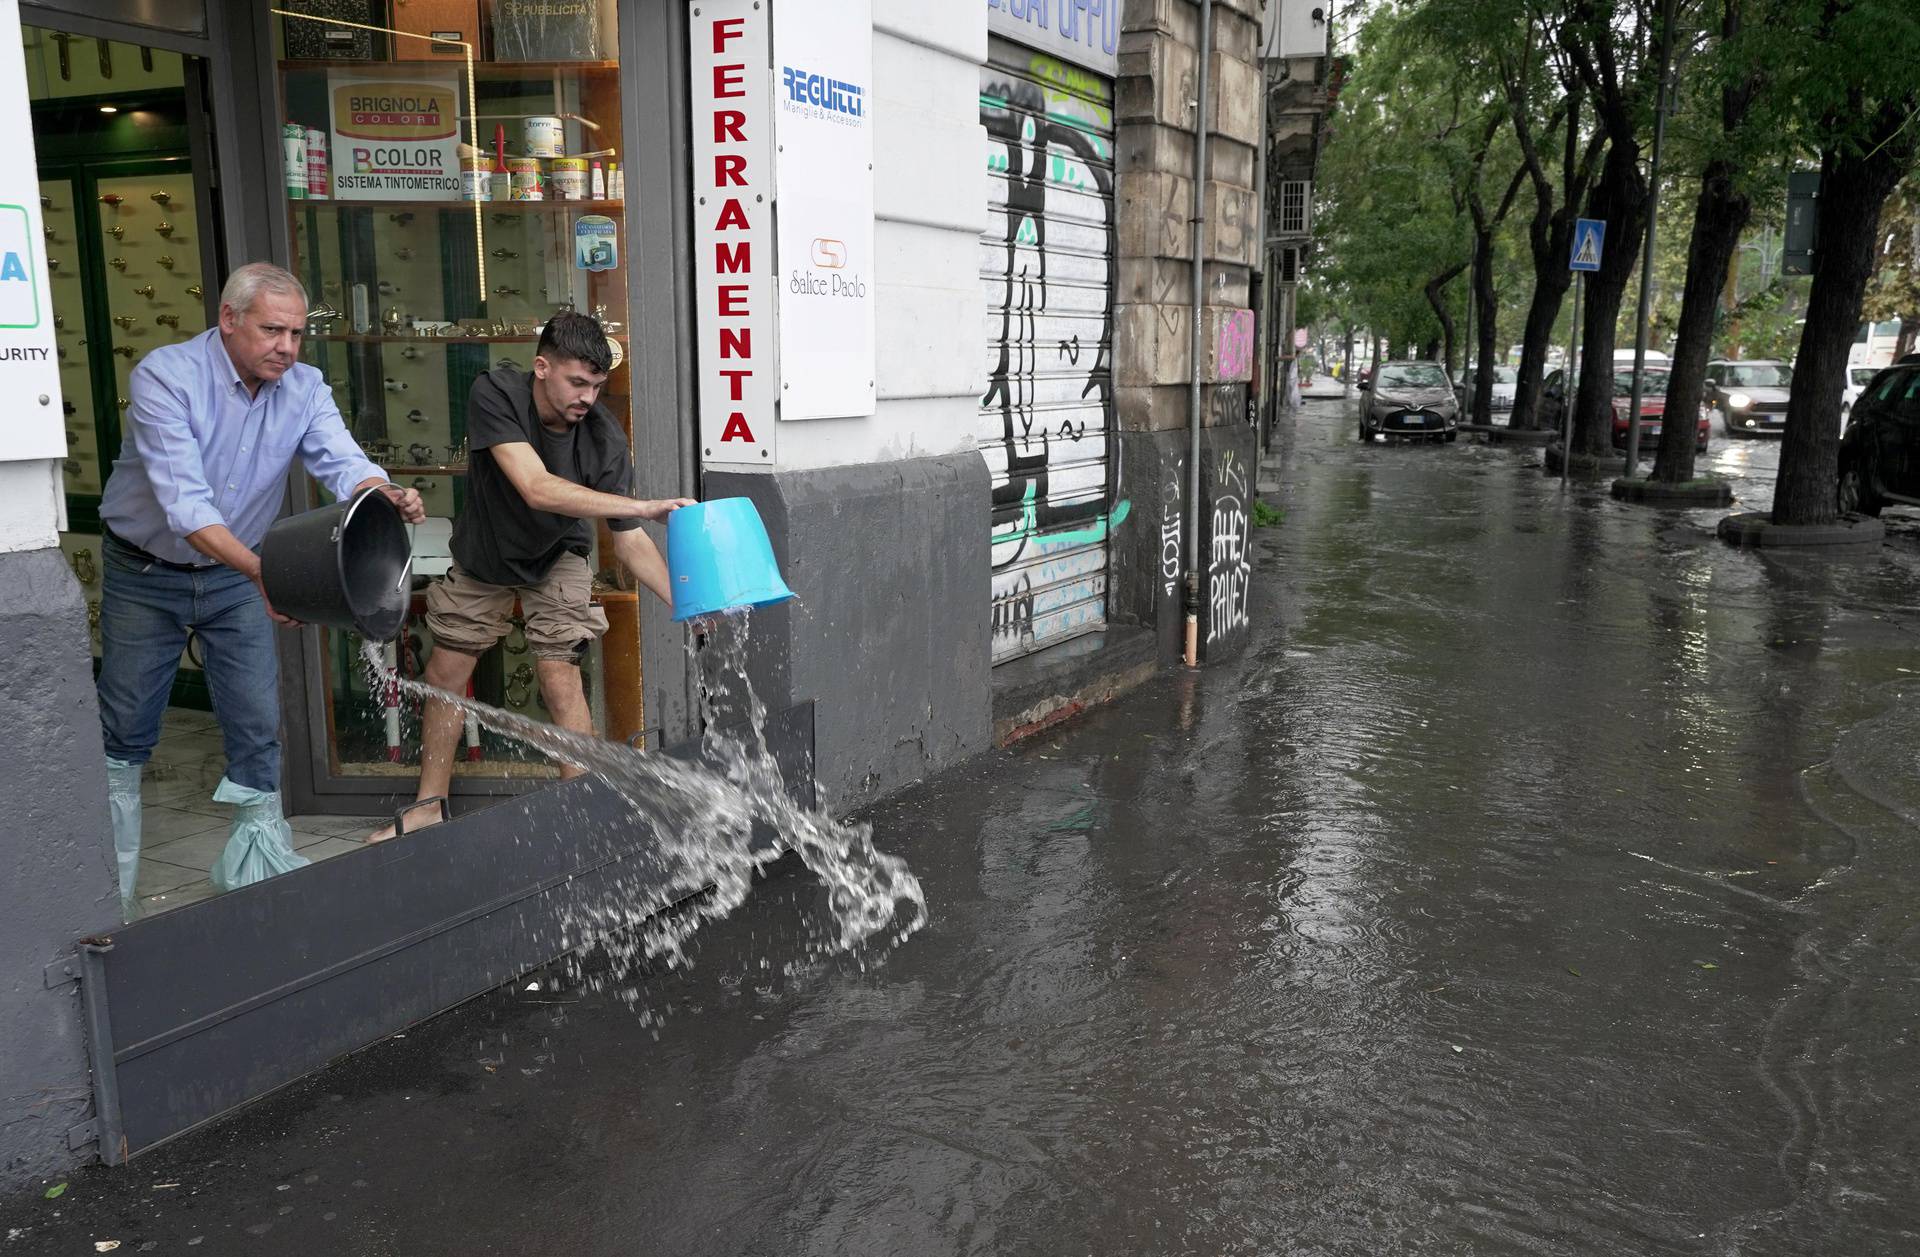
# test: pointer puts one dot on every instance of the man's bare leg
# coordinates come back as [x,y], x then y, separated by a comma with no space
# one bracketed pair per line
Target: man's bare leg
[566,700]
[440,723]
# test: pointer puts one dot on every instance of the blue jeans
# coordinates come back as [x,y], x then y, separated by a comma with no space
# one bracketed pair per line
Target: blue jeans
[146,612]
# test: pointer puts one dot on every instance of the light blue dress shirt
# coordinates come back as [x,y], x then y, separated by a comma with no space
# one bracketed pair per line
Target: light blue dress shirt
[199,450]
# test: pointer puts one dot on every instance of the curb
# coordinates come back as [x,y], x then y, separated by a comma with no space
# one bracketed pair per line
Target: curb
[1584,465]
[1656,493]
[1758,531]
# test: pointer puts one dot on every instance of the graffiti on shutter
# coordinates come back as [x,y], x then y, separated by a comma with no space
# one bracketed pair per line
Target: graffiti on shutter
[1046,419]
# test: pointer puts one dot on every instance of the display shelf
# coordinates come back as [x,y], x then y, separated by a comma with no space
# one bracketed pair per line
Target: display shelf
[481,69]
[491,207]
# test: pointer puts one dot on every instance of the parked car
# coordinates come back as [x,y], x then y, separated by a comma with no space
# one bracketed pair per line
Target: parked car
[1857,380]
[1750,395]
[1653,407]
[1505,379]
[1409,399]
[1880,453]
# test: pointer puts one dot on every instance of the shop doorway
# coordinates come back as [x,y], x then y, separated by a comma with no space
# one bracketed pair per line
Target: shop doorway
[134,256]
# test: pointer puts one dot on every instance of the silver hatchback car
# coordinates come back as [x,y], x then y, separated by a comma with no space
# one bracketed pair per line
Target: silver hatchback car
[1410,400]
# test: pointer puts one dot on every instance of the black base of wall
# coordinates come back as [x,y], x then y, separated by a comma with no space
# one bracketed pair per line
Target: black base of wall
[889,633]
[1149,561]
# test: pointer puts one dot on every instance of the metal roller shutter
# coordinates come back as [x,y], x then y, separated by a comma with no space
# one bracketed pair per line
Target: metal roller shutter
[1046,420]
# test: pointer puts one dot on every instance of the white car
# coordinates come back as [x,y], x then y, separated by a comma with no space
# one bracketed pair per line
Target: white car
[1857,378]
[1505,380]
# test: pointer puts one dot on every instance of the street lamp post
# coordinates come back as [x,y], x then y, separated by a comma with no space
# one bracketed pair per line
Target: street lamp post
[1646,260]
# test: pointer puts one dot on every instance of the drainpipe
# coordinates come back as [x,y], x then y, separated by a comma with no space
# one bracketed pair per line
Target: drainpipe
[1197,310]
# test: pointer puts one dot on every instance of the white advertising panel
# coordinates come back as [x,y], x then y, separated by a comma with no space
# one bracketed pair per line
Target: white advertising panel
[34,426]
[823,120]
[1083,32]
[395,139]
[733,258]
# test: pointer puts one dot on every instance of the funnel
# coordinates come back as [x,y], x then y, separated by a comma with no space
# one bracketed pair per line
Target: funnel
[346,566]
[719,558]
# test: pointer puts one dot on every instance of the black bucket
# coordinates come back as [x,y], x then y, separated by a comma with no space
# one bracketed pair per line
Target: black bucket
[347,566]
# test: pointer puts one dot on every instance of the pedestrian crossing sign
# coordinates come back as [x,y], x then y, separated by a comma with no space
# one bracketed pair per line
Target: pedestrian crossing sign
[1589,234]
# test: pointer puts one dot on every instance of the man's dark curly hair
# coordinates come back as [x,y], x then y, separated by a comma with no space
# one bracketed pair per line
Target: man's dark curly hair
[575,336]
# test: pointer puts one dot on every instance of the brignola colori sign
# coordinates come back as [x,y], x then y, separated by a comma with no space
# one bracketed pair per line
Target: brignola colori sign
[395,140]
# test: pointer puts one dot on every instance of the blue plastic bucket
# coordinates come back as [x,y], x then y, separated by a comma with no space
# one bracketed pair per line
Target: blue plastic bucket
[719,558]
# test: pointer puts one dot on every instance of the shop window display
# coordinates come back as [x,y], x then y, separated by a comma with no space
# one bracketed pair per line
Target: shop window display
[121,205]
[444,201]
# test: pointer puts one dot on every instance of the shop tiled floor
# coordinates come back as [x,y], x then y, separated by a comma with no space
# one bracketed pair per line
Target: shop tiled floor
[183,830]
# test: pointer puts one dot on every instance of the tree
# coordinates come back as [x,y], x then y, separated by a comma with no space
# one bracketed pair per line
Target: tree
[1856,80]
[1894,290]
[1720,214]
[1610,52]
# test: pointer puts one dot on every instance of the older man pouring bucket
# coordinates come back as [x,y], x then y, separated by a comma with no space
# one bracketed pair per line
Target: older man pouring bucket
[214,424]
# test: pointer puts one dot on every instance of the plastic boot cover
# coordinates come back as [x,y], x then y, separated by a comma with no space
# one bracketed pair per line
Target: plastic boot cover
[123,802]
[260,844]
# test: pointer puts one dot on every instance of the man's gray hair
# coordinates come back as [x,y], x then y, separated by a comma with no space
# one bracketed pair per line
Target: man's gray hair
[245,285]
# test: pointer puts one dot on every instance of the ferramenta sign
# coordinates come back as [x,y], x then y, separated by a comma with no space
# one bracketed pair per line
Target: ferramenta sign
[734,264]
[782,116]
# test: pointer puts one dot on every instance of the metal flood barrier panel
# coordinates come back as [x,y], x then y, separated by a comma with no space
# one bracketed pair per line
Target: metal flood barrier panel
[1046,420]
[195,1012]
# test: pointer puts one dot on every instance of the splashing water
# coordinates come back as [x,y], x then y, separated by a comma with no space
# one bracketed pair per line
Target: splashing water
[704,817]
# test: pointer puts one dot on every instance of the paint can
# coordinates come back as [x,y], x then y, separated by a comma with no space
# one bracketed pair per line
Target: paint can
[476,180]
[318,182]
[569,178]
[293,160]
[542,137]
[525,173]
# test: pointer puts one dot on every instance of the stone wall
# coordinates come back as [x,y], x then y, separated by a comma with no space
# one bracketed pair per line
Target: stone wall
[1158,79]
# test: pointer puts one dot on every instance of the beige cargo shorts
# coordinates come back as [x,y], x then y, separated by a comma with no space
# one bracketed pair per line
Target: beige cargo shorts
[470,615]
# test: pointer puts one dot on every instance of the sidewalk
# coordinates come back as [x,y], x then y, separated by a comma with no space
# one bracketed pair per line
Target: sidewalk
[1539,878]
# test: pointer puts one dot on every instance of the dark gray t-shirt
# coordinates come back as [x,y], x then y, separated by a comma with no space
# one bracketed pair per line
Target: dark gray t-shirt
[497,537]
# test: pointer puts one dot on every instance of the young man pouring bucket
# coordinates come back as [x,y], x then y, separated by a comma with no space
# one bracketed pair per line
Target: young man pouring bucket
[544,459]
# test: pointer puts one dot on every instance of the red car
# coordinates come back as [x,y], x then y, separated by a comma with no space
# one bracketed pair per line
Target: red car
[1653,408]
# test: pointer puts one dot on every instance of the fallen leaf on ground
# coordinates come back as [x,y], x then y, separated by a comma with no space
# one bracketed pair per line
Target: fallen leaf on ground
[56,1191]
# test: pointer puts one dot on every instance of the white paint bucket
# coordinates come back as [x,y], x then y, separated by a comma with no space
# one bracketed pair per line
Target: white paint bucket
[543,137]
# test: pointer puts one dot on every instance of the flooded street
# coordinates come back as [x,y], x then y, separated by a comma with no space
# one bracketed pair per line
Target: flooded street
[1541,880]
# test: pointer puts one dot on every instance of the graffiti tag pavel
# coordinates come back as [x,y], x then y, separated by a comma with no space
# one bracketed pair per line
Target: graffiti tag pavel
[1228,566]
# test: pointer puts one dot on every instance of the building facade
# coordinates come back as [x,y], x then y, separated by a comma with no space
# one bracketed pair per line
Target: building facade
[923,280]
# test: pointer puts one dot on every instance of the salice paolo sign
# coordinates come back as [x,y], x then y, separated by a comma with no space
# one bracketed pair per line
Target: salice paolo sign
[823,174]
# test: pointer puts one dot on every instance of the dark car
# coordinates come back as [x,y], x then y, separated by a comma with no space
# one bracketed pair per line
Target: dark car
[1409,399]
[1750,396]
[1880,454]
[1653,408]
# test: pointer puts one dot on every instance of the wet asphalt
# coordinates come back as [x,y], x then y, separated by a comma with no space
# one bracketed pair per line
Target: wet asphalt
[1540,880]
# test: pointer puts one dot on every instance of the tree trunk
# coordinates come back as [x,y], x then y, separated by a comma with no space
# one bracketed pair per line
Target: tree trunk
[1620,199]
[1852,189]
[1551,236]
[1436,298]
[1719,216]
[1487,309]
